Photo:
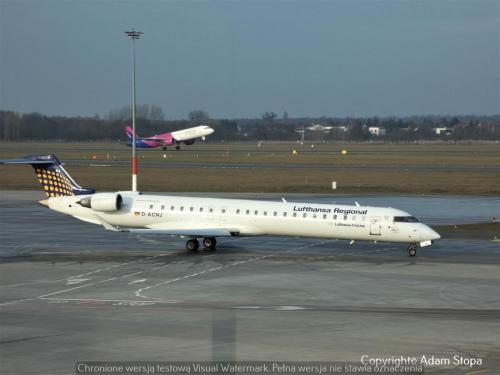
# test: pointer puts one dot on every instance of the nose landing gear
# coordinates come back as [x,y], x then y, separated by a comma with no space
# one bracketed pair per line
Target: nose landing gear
[412,249]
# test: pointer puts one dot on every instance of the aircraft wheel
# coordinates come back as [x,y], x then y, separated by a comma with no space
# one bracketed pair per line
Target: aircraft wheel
[192,245]
[412,250]
[209,243]
[164,148]
[177,147]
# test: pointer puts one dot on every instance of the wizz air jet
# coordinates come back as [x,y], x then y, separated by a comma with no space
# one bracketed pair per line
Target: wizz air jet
[208,218]
[187,136]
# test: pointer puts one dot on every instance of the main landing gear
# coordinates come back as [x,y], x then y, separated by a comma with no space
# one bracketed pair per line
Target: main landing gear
[209,243]
[412,249]
[192,245]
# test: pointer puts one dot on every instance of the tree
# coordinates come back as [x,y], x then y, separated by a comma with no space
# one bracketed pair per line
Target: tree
[145,111]
[198,116]
[269,117]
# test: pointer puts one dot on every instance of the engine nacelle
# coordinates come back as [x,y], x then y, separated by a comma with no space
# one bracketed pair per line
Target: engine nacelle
[104,202]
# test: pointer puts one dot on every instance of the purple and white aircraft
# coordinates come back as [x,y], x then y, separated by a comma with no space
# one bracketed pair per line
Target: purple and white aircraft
[186,136]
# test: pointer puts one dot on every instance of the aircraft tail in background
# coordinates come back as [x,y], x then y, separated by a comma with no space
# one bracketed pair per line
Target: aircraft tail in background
[130,134]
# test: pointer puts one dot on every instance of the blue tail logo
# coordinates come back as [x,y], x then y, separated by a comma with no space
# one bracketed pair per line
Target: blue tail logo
[55,181]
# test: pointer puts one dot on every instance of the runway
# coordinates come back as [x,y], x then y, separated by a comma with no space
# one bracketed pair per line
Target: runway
[70,291]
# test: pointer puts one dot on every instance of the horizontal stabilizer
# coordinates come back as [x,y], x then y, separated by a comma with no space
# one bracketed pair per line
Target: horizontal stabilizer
[35,159]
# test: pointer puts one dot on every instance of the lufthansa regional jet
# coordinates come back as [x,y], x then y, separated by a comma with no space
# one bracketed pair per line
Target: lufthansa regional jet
[187,136]
[208,218]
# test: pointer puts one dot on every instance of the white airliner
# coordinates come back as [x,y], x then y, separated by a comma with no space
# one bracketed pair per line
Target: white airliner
[208,218]
[319,127]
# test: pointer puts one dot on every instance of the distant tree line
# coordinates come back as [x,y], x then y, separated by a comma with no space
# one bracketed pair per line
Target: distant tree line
[151,120]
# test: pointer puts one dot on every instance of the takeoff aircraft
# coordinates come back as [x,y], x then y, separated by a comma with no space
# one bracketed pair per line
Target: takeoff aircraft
[209,218]
[186,136]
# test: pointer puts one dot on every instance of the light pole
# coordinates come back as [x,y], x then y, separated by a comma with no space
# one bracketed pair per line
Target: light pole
[133,35]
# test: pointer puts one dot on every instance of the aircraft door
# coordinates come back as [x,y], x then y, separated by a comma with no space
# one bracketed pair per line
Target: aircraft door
[375,225]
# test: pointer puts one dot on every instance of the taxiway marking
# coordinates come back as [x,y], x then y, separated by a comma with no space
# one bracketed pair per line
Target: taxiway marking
[76,281]
[130,301]
[137,281]
[16,301]
[76,287]
[139,292]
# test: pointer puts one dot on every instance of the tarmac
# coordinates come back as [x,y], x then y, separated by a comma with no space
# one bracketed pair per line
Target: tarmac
[70,292]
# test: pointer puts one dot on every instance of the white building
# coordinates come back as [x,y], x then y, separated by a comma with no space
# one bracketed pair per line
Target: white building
[377,131]
[443,131]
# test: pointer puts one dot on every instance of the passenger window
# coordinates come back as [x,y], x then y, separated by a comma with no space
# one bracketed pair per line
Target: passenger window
[345,217]
[182,208]
[191,209]
[172,208]
[284,214]
[150,206]
[334,217]
[315,216]
[248,212]
[265,213]
[304,215]
[324,216]
[295,214]
[238,211]
[162,208]
[275,213]
[256,212]
[211,210]
[223,210]
[201,209]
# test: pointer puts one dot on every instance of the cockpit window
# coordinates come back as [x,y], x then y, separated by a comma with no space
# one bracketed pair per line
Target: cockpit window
[405,219]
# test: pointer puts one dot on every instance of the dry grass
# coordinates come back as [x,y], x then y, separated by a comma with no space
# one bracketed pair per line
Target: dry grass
[279,178]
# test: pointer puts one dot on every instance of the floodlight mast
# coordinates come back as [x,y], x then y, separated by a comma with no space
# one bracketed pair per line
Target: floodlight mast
[133,34]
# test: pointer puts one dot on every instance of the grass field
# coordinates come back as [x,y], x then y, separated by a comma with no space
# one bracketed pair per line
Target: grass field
[273,167]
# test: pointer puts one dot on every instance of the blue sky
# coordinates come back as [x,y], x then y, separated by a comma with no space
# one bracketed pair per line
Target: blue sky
[242,58]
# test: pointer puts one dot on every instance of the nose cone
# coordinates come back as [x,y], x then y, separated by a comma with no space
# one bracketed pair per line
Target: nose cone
[432,234]
[210,131]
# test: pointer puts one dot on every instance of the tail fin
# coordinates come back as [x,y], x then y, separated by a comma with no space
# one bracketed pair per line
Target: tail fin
[55,181]
[130,133]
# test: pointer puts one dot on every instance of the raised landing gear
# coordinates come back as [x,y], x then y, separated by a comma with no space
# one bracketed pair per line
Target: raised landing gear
[192,245]
[209,243]
[412,249]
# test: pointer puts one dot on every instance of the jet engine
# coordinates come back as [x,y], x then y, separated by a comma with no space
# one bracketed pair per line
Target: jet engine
[104,202]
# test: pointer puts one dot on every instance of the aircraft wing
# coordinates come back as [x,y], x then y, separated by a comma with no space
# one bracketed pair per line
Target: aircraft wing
[189,232]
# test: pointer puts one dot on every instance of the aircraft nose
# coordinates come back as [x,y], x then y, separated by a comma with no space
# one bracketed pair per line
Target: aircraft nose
[432,234]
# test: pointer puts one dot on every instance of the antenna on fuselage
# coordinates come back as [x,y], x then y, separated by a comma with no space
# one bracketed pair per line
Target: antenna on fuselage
[133,35]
